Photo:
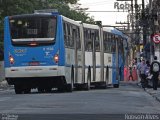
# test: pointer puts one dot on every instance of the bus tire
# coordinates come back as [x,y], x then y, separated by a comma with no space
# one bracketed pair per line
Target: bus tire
[40,90]
[48,90]
[116,85]
[27,90]
[18,89]
[62,88]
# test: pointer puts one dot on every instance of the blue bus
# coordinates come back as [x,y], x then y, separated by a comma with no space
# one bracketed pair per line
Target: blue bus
[46,50]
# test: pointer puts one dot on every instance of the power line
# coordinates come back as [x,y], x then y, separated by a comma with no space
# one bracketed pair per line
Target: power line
[106,11]
[96,2]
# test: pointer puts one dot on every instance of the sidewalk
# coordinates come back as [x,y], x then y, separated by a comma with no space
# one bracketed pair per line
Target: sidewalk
[154,93]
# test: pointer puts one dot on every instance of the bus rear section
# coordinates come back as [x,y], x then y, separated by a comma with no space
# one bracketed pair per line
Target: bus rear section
[32,52]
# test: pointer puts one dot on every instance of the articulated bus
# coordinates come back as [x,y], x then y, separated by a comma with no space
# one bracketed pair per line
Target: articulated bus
[46,50]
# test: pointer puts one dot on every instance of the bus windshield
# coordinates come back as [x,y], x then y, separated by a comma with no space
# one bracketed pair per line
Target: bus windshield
[33,28]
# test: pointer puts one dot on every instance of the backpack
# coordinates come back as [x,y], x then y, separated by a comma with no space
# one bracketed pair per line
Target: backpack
[155,67]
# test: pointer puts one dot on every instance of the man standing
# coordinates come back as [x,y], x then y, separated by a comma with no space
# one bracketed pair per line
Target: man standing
[138,69]
[154,70]
[142,70]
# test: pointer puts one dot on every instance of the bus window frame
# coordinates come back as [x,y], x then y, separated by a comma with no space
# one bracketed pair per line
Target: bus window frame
[27,43]
[113,47]
[88,40]
[70,34]
[97,41]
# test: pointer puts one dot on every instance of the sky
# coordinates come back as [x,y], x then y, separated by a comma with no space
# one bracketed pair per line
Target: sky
[107,18]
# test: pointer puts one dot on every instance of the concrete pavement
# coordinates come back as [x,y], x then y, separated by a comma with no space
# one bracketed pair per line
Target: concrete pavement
[153,93]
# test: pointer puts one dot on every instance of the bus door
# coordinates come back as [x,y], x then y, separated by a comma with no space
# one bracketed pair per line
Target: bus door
[117,61]
[83,51]
[93,54]
[101,56]
[97,55]
[88,57]
[78,54]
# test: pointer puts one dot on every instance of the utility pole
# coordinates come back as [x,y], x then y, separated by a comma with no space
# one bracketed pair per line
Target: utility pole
[132,29]
[144,24]
[132,15]
[150,30]
[137,41]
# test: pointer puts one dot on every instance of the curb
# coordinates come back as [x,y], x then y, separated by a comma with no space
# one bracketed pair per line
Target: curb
[149,92]
[4,84]
[153,95]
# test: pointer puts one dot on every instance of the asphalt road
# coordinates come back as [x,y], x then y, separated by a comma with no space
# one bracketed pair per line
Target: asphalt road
[93,104]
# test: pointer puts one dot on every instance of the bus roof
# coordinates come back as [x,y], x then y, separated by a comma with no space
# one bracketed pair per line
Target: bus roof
[30,15]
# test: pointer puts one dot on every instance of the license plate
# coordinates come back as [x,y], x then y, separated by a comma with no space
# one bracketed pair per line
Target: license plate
[35,63]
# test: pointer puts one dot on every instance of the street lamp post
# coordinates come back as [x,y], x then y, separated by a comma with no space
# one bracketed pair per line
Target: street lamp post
[150,30]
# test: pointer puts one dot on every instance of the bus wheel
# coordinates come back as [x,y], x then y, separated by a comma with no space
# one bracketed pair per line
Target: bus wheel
[17,89]
[62,88]
[48,90]
[116,85]
[40,90]
[27,90]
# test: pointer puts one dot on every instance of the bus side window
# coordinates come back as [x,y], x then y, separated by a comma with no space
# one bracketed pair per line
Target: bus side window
[105,41]
[85,37]
[97,41]
[78,39]
[113,44]
[69,36]
[75,37]
[109,42]
[73,32]
[88,41]
[66,38]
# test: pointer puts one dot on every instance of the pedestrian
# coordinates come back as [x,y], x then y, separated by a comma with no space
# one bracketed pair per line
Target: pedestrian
[134,74]
[155,70]
[142,70]
[130,73]
[147,72]
[138,69]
